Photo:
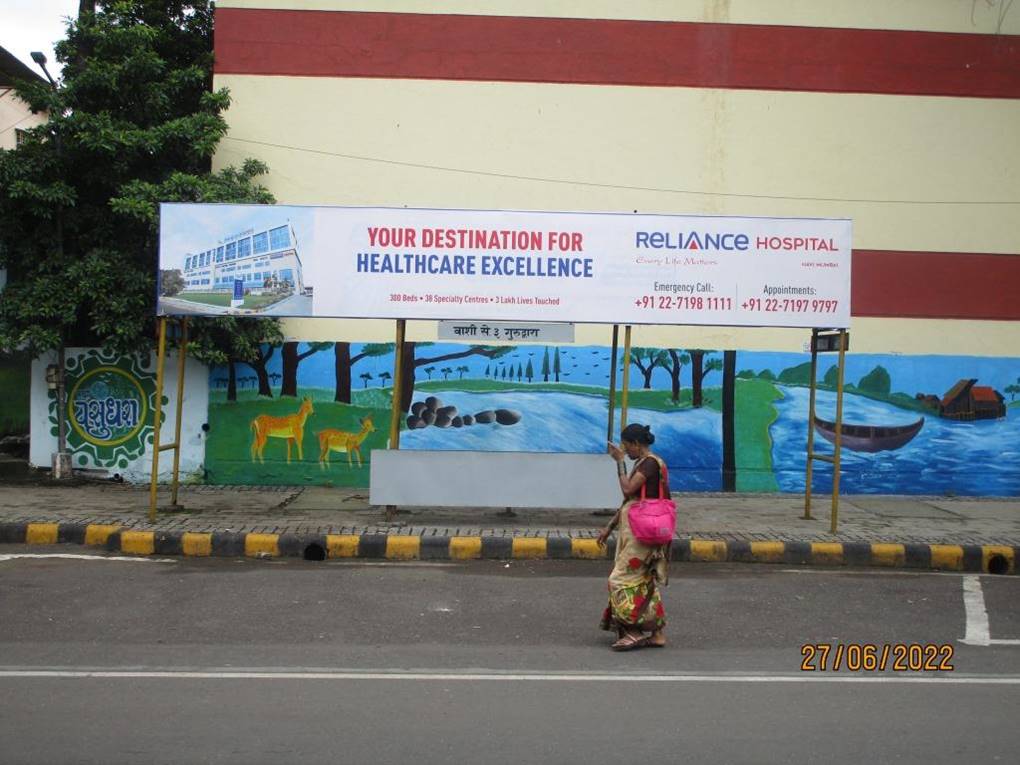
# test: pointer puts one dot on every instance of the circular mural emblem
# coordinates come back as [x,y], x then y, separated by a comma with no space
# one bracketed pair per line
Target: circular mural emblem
[109,409]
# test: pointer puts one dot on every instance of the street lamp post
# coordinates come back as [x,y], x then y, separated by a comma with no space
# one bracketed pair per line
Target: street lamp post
[61,461]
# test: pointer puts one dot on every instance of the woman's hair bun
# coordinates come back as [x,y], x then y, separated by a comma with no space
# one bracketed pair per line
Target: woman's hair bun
[649,435]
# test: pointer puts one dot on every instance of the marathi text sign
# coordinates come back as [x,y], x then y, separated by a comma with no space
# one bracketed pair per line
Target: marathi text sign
[505,331]
[503,265]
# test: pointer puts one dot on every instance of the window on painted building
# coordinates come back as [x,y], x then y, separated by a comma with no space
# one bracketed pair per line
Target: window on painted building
[20,136]
[244,247]
[231,250]
[219,254]
[287,274]
[279,238]
[260,243]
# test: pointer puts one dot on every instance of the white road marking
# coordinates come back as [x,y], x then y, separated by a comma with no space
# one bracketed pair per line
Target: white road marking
[977,631]
[72,556]
[446,676]
[977,617]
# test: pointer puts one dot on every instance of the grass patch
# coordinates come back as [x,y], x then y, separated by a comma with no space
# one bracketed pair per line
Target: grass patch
[15,384]
[222,299]
[754,414]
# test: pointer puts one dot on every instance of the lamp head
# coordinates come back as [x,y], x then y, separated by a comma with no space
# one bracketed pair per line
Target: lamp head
[38,57]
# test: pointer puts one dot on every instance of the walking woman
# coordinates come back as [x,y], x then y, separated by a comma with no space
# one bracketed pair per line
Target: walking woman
[635,606]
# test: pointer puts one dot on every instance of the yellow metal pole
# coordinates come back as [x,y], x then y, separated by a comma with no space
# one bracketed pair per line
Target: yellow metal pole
[398,385]
[157,414]
[811,425]
[626,377]
[181,358]
[839,433]
[612,382]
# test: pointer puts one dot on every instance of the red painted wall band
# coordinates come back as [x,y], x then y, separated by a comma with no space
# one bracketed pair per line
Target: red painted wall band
[935,285]
[614,52]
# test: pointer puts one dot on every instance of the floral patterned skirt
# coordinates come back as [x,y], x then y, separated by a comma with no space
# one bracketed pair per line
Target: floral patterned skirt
[638,570]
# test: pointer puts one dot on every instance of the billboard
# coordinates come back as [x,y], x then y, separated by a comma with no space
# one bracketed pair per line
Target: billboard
[499,265]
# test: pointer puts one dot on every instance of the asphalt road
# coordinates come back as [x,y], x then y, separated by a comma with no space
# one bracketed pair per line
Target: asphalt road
[107,661]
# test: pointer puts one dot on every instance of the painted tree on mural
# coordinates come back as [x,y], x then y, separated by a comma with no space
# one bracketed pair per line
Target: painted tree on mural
[1012,390]
[677,360]
[291,358]
[876,381]
[232,340]
[529,372]
[646,360]
[556,365]
[831,376]
[462,370]
[700,370]
[411,362]
[545,365]
[383,377]
[366,376]
[343,362]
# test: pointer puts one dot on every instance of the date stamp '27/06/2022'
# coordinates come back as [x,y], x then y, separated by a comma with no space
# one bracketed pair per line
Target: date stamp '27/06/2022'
[875,657]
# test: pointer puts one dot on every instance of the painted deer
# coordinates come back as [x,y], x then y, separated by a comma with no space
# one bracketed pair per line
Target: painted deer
[291,427]
[341,441]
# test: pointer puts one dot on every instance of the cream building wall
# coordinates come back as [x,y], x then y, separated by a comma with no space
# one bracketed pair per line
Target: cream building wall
[14,115]
[914,173]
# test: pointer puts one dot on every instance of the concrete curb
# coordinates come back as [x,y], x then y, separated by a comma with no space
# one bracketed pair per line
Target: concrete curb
[996,559]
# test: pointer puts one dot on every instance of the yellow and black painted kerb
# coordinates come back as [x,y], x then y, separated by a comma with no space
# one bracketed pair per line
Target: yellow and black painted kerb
[996,559]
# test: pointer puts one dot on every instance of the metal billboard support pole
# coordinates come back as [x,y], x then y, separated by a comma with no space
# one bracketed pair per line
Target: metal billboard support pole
[157,415]
[821,343]
[811,425]
[839,432]
[626,377]
[612,382]
[181,358]
[398,389]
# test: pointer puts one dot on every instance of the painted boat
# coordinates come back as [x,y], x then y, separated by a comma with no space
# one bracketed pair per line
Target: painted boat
[869,438]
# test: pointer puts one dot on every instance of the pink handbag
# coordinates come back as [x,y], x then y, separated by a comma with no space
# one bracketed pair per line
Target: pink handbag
[653,521]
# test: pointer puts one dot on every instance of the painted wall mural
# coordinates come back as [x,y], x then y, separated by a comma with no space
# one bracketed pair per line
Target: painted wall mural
[110,400]
[312,413]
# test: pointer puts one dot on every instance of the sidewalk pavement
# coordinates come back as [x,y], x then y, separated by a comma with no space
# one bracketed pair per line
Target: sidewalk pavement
[966,534]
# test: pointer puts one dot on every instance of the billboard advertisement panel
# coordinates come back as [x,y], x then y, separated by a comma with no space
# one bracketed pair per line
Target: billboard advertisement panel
[498,265]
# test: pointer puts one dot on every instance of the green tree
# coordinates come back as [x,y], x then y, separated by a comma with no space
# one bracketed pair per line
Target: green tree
[876,381]
[504,373]
[529,371]
[366,376]
[462,370]
[766,374]
[383,377]
[446,372]
[545,365]
[132,124]
[556,364]
[170,282]
[745,374]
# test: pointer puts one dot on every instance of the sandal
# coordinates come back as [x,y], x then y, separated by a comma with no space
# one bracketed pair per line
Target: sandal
[630,642]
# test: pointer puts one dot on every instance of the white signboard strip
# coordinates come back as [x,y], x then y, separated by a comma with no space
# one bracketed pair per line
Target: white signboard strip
[505,331]
[483,265]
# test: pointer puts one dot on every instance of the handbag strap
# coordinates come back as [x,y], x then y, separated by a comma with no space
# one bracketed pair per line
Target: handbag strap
[663,476]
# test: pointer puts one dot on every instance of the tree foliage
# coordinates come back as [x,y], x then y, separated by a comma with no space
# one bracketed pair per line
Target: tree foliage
[133,123]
